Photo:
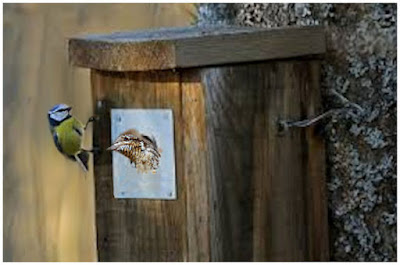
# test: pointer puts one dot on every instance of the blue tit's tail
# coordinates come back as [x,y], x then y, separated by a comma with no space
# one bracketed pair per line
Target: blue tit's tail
[83,158]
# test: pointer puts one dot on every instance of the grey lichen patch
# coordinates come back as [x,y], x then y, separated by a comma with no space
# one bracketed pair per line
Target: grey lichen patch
[216,14]
[360,67]
[374,137]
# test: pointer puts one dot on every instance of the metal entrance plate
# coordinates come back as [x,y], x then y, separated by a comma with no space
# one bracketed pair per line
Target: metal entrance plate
[128,181]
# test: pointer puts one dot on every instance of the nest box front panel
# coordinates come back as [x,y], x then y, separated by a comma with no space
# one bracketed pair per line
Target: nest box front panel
[144,165]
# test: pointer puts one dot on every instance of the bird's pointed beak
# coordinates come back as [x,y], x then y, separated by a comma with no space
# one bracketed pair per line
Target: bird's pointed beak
[113,147]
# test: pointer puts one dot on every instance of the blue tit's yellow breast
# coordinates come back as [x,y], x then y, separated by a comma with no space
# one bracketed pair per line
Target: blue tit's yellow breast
[69,134]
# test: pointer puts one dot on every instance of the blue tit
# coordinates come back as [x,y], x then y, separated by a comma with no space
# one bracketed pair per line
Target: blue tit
[67,132]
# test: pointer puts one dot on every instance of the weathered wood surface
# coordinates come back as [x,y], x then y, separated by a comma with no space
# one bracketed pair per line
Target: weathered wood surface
[315,186]
[267,190]
[154,230]
[172,48]
[137,229]
[246,192]
[196,167]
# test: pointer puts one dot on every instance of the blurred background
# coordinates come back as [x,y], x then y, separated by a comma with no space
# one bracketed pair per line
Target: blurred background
[48,200]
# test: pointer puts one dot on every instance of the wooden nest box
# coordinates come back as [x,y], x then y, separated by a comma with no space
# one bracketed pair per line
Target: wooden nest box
[244,190]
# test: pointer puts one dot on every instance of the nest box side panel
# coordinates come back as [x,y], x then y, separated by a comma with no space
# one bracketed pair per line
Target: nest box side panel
[267,188]
[137,229]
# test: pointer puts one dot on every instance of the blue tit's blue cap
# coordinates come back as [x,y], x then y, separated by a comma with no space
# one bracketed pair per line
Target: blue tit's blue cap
[59,107]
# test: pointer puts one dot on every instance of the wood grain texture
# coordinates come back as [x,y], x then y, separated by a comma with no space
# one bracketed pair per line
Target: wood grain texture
[196,168]
[261,206]
[192,47]
[246,191]
[137,229]
[315,186]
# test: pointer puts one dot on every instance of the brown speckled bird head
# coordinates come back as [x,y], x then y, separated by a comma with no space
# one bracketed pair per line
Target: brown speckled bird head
[141,150]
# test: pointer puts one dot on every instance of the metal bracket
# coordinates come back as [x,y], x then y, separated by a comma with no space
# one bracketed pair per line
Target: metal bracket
[130,183]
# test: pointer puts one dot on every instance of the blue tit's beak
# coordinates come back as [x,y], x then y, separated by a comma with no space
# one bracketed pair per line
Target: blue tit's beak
[69,109]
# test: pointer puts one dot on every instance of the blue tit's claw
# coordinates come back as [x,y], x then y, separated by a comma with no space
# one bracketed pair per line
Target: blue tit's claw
[91,119]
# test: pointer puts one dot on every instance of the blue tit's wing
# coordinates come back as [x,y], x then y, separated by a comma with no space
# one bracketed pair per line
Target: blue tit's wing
[55,138]
[78,130]
[58,145]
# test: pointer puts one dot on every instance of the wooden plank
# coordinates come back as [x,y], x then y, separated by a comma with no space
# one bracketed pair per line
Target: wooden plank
[196,168]
[171,48]
[260,180]
[315,186]
[230,99]
[137,229]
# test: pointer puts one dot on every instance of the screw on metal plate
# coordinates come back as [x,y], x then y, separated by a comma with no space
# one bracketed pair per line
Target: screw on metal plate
[129,182]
